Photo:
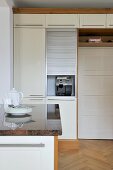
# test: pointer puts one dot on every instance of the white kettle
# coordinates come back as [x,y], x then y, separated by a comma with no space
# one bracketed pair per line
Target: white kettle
[16,97]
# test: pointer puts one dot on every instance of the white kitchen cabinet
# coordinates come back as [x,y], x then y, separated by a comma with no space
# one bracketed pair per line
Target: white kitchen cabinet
[95,93]
[37,20]
[95,117]
[95,61]
[109,20]
[29,155]
[68,117]
[20,158]
[95,85]
[62,20]
[29,61]
[92,20]
[95,70]
[95,127]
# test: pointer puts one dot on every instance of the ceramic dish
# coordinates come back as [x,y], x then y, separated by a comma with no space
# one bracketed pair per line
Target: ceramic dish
[19,110]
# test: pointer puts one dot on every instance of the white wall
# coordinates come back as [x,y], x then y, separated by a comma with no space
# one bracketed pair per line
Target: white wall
[3,3]
[6,54]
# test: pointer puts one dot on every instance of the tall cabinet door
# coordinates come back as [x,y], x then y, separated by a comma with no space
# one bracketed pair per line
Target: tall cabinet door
[95,93]
[29,61]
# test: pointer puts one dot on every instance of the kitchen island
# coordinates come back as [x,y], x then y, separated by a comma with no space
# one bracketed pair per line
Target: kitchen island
[30,141]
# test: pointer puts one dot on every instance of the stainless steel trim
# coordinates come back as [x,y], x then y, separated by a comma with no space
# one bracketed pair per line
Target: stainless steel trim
[61,99]
[27,25]
[40,145]
[92,25]
[35,95]
[60,25]
[36,99]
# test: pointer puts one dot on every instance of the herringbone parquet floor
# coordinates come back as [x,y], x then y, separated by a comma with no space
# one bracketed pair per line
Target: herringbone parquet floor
[92,155]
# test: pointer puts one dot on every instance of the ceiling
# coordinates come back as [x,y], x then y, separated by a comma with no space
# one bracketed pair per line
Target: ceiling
[64,3]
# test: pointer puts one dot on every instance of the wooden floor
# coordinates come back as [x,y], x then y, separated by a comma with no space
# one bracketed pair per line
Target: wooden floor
[92,155]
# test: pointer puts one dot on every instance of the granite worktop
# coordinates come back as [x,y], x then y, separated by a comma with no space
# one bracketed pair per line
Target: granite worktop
[44,120]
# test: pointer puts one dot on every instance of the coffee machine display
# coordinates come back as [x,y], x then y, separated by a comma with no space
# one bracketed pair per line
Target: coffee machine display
[64,86]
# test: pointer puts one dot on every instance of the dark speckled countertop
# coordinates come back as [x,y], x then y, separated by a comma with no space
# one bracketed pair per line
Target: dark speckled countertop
[44,120]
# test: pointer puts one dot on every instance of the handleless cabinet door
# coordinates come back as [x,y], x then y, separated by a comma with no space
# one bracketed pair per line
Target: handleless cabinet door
[68,117]
[29,61]
[95,93]
[92,20]
[109,20]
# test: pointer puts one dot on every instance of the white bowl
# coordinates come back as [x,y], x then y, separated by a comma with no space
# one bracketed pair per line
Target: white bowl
[18,110]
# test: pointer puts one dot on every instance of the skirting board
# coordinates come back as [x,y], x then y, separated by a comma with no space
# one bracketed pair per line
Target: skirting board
[65,145]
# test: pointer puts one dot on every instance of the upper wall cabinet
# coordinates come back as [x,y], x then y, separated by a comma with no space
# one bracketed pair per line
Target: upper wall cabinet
[29,20]
[110,20]
[92,20]
[62,20]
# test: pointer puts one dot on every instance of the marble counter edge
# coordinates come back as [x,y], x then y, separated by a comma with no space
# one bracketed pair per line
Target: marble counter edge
[30,132]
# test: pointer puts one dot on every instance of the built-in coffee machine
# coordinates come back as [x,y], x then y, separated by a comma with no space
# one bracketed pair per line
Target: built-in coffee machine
[64,86]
